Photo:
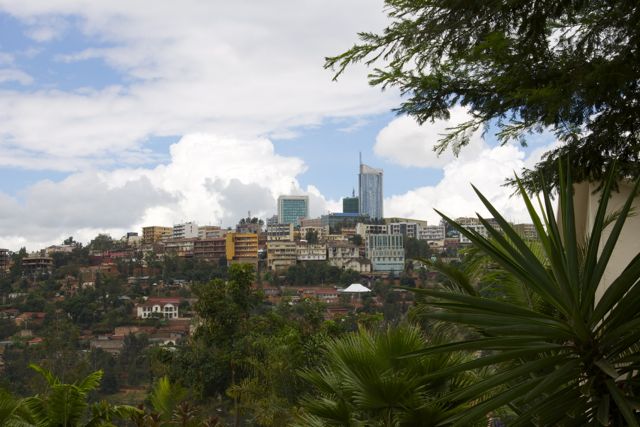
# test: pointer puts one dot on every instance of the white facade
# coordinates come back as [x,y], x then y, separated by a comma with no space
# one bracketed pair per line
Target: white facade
[340,255]
[432,233]
[386,252]
[166,308]
[187,230]
[280,232]
[408,229]
[479,228]
[366,229]
[309,252]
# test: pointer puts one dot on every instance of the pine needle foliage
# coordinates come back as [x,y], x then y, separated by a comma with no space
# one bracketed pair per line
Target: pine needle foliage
[568,66]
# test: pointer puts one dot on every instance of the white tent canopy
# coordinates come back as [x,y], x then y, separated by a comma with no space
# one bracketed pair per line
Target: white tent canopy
[356,288]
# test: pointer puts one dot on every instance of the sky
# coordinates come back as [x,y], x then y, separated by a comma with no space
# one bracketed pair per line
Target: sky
[118,114]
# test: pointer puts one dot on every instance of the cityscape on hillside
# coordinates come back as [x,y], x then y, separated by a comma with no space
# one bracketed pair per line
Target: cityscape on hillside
[184,241]
[359,238]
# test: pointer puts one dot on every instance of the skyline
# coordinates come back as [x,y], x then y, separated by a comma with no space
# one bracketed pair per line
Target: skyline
[116,116]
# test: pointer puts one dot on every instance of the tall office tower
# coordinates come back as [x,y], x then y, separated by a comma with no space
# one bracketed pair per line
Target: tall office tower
[370,191]
[291,209]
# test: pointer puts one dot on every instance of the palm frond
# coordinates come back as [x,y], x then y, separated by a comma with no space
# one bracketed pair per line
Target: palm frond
[561,355]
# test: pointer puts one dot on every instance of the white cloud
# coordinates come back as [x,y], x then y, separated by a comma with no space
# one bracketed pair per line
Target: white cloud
[454,196]
[405,142]
[6,58]
[14,75]
[80,204]
[234,68]
[217,180]
[208,179]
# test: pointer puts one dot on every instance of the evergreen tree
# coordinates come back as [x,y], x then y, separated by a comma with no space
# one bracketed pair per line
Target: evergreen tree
[572,67]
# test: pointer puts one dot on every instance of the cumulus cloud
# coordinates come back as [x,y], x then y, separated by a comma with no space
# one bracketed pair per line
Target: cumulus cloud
[234,68]
[236,199]
[405,142]
[208,179]
[83,204]
[454,196]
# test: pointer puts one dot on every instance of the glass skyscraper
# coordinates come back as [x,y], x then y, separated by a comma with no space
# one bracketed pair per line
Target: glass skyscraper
[370,191]
[292,208]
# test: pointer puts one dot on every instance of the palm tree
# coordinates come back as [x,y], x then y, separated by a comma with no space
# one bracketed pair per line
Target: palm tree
[563,356]
[169,406]
[13,412]
[66,405]
[366,381]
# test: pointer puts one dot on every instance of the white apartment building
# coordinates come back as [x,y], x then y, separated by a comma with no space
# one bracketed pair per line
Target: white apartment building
[475,227]
[187,230]
[386,252]
[408,229]
[339,254]
[366,229]
[280,232]
[432,233]
[311,252]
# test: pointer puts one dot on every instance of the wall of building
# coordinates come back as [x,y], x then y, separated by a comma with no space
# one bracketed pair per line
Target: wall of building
[386,252]
[586,200]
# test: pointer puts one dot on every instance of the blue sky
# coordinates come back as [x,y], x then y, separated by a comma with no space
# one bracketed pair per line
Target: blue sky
[116,115]
[331,154]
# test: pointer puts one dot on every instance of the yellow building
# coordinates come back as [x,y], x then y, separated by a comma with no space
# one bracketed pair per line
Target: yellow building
[242,246]
[155,233]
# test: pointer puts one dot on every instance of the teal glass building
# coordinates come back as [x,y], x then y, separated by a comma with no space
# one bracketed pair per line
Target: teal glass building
[291,209]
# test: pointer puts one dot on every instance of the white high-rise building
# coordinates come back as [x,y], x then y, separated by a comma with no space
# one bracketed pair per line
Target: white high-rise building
[370,191]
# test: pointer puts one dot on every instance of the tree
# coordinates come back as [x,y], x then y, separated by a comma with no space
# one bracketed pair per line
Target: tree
[207,365]
[16,262]
[102,242]
[565,356]
[66,405]
[13,412]
[69,241]
[571,67]
[365,381]
[357,240]
[415,248]
[133,360]
[169,406]
[311,236]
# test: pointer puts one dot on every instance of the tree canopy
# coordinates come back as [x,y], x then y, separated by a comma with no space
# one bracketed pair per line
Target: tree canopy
[571,67]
